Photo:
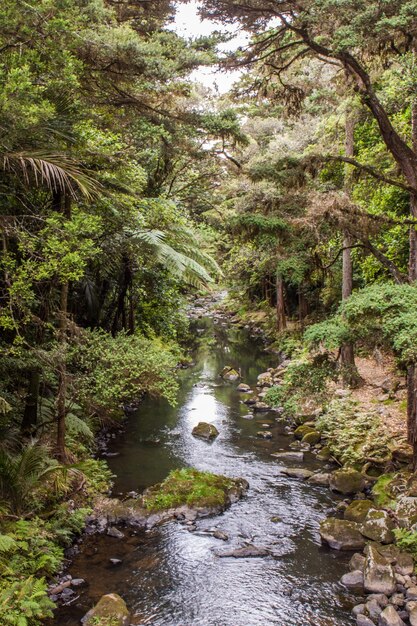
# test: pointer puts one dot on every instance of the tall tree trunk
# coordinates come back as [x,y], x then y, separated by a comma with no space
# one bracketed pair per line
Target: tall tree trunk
[347,355]
[302,306]
[30,413]
[61,451]
[280,306]
[412,275]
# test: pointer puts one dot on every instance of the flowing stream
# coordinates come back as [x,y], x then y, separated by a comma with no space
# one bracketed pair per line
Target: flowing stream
[170,576]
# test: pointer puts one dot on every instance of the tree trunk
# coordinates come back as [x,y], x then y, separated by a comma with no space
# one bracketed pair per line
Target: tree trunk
[302,306]
[61,452]
[30,414]
[412,276]
[280,307]
[350,374]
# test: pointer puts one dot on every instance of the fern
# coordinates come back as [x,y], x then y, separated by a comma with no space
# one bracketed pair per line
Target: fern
[78,427]
[7,543]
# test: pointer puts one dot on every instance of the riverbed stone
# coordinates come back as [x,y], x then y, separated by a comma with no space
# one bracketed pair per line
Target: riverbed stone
[373,609]
[324,454]
[353,580]
[379,575]
[244,552]
[289,456]
[358,510]
[347,481]
[229,373]
[312,437]
[404,564]
[321,478]
[297,472]
[378,526]
[205,431]
[111,610]
[264,434]
[381,598]
[359,609]
[261,407]
[412,613]
[363,620]
[303,430]
[115,532]
[357,562]
[341,534]
[390,617]
[243,388]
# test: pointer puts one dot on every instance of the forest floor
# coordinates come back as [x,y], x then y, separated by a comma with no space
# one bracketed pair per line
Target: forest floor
[378,375]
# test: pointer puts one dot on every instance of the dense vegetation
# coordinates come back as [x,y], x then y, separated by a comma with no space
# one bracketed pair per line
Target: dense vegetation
[122,180]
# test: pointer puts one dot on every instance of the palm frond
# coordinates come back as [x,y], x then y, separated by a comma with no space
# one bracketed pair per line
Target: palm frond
[58,172]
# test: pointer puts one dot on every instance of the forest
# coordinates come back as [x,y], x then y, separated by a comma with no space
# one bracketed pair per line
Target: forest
[128,189]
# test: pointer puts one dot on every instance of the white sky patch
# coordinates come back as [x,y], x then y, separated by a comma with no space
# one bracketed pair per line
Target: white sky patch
[188,24]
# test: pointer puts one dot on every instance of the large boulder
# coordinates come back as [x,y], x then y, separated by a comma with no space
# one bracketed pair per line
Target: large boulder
[111,610]
[347,481]
[378,526]
[265,380]
[353,580]
[358,510]
[378,574]
[205,431]
[341,534]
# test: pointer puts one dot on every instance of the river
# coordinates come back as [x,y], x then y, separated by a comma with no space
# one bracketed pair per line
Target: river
[170,576]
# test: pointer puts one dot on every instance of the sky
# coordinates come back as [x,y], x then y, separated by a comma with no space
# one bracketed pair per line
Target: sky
[188,24]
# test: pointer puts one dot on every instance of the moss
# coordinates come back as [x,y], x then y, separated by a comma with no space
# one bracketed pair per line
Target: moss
[381,492]
[191,487]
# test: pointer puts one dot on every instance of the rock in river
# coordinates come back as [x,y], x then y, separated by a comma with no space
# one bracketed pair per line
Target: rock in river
[353,580]
[243,388]
[111,609]
[230,374]
[249,551]
[347,481]
[341,534]
[205,431]
[297,472]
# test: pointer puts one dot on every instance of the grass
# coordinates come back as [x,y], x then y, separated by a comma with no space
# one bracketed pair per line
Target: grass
[188,486]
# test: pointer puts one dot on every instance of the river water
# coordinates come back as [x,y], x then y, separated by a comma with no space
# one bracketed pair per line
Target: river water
[170,576]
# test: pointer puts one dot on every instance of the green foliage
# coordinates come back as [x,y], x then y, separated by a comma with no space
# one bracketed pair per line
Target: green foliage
[97,474]
[381,492]
[117,370]
[379,314]
[304,378]
[25,602]
[188,486]
[406,540]
[353,434]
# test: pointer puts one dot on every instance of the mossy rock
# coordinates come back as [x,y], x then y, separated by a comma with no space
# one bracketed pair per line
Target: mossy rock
[382,493]
[205,431]
[358,510]
[312,437]
[341,535]
[378,526]
[324,454]
[193,488]
[111,610]
[303,430]
[347,481]
[230,374]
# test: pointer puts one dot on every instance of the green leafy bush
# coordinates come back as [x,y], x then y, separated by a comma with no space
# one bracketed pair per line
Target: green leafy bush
[406,540]
[24,602]
[120,369]
[306,377]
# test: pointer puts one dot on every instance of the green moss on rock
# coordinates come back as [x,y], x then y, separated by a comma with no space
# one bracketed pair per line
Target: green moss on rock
[205,431]
[111,610]
[358,510]
[312,437]
[189,487]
